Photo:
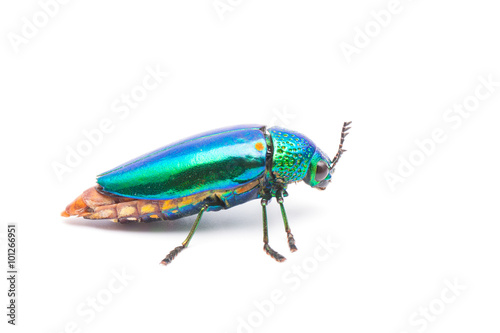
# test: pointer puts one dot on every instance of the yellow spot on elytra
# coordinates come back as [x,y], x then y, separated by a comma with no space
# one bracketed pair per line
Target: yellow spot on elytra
[154,216]
[259,146]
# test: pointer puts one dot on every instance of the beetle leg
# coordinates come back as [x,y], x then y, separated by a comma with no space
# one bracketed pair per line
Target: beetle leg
[275,255]
[291,240]
[169,257]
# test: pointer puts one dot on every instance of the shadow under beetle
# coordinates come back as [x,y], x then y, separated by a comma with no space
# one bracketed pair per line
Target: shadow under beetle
[208,172]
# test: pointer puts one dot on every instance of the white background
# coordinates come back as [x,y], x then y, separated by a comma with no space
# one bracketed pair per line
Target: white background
[261,62]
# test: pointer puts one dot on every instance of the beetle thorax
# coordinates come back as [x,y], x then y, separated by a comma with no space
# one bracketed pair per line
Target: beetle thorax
[292,153]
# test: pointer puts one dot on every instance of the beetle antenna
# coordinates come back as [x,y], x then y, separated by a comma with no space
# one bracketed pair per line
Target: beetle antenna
[344,133]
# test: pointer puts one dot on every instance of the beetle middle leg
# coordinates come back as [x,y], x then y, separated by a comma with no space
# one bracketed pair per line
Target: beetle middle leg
[169,257]
[291,240]
[275,255]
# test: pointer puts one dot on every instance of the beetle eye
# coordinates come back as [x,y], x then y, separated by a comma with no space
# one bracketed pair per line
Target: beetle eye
[321,171]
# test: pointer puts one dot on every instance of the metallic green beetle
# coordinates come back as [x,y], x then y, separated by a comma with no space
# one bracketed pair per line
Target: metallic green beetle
[208,172]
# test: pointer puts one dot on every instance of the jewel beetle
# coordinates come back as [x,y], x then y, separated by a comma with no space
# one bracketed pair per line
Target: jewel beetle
[208,172]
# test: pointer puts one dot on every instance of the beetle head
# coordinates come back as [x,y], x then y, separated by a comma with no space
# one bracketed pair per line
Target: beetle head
[321,168]
[319,172]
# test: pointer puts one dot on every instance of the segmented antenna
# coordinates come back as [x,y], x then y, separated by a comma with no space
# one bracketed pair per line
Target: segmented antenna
[342,137]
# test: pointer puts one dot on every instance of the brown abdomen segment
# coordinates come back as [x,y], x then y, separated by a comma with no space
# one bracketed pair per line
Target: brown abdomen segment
[92,204]
[95,204]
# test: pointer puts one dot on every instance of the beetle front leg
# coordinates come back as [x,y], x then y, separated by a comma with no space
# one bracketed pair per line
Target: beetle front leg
[275,255]
[291,240]
[169,257]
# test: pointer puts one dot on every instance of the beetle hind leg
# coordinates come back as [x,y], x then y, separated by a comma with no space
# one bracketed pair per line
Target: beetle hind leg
[169,257]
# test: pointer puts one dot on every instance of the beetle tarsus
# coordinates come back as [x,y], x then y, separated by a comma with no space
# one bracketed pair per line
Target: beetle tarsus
[291,242]
[275,255]
[169,257]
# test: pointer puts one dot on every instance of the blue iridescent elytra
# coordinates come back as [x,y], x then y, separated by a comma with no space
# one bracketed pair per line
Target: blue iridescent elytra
[208,172]
[223,159]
